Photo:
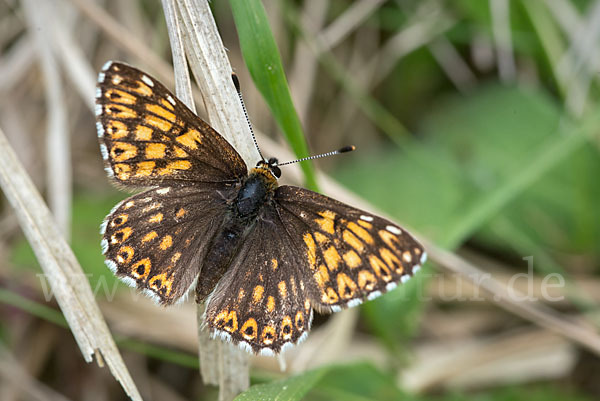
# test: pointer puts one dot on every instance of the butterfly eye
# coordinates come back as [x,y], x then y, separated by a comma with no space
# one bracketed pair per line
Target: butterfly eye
[276,171]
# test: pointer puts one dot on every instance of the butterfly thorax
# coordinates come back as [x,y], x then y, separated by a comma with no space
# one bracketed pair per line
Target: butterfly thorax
[256,190]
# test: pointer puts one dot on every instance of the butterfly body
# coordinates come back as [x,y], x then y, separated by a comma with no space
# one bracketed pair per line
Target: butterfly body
[253,193]
[263,256]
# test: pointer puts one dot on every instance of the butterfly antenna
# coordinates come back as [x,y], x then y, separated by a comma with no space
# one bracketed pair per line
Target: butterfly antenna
[335,152]
[236,82]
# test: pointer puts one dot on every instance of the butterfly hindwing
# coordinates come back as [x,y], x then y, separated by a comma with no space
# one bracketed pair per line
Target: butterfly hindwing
[262,302]
[149,137]
[348,255]
[155,240]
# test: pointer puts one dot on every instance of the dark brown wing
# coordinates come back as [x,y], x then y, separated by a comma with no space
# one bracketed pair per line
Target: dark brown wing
[347,255]
[262,303]
[156,240]
[149,137]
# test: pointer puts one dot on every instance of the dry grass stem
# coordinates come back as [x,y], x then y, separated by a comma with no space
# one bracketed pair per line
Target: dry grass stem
[211,68]
[522,356]
[58,154]
[345,24]
[126,40]
[67,280]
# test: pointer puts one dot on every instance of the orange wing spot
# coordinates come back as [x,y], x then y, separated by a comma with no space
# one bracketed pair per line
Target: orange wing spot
[406,256]
[176,165]
[352,259]
[268,335]
[167,104]
[116,129]
[179,165]
[220,317]
[270,303]
[330,296]
[282,289]
[119,220]
[311,250]
[143,133]
[249,329]
[332,258]
[128,205]
[156,150]
[121,151]
[231,322]
[274,264]
[175,257]
[379,267]
[417,251]
[299,320]
[166,242]
[119,111]
[360,232]
[120,96]
[391,260]
[178,152]
[157,122]
[157,218]
[293,285]
[390,240]
[120,236]
[161,112]
[122,171]
[149,237]
[144,169]
[322,276]
[286,328]
[241,295]
[142,89]
[124,255]
[321,239]
[326,223]
[190,139]
[307,305]
[161,284]
[365,224]
[366,280]
[257,293]
[141,269]
[351,240]
[180,213]
[346,286]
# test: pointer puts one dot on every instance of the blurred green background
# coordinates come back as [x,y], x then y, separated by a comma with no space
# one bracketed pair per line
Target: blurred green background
[476,125]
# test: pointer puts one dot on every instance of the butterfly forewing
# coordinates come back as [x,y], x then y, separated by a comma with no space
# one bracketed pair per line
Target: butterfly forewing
[149,137]
[155,240]
[348,255]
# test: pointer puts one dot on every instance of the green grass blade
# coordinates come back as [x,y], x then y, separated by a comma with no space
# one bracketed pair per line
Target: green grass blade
[291,389]
[264,63]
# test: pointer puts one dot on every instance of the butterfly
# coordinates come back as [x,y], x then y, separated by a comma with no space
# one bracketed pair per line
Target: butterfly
[261,256]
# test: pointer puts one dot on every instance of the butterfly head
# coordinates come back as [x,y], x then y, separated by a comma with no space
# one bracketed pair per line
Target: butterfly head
[271,165]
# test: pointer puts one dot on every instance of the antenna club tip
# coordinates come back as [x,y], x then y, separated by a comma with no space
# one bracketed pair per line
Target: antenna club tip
[236,81]
[345,149]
